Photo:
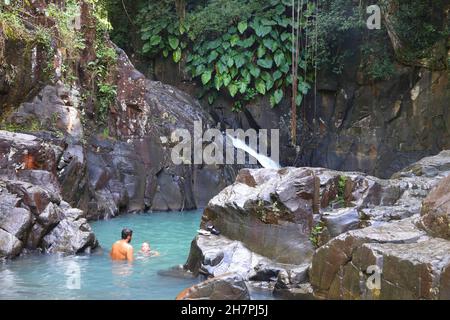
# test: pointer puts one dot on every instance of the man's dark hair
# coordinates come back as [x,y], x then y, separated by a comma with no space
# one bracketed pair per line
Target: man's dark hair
[126,232]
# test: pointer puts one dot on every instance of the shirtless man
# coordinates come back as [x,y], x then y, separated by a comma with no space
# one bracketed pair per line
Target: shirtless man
[122,249]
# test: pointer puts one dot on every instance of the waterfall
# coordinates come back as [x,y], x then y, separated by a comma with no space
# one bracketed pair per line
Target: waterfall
[265,161]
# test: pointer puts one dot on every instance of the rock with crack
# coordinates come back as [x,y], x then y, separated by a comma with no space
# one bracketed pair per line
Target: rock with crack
[35,217]
[408,262]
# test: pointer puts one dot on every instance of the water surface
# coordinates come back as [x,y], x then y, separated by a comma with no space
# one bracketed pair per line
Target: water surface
[53,277]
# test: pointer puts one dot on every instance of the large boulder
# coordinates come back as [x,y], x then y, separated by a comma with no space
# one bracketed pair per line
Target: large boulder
[229,286]
[32,212]
[392,261]
[270,211]
[436,211]
[218,255]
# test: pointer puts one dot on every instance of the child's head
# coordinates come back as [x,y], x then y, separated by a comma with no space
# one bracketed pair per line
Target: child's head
[145,247]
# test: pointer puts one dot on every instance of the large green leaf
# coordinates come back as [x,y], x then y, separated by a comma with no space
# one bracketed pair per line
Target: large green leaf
[242,26]
[261,51]
[239,60]
[254,70]
[177,55]
[303,87]
[233,72]
[277,75]
[199,70]
[213,44]
[268,22]
[285,68]
[270,44]
[234,40]
[173,42]
[146,48]
[212,56]
[298,100]
[146,35]
[206,76]
[242,87]
[265,63]
[279,58]
[155,40]
[278,95]
[226,79]
[286,35]
[218,81]
[266,76]
[230,62]
[261,30]
[233,89]
[260,86]
[247,43]
[221,68]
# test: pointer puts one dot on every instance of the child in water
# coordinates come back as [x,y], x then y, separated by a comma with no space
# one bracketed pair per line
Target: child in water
[147,251]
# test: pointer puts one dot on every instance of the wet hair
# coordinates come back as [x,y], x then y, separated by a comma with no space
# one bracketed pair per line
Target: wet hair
[126,232]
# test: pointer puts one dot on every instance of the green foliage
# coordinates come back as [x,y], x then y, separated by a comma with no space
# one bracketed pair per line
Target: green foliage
[316,233]
[32,126]
[13,27]
[338,21]
[420,25]
[101,69]
[106,95]
[161,30]
[377,63]
[71,39]
[340,197]
[242,48]
[214,18]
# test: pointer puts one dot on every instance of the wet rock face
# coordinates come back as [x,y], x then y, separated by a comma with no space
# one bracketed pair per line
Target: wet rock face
[131,169]
[435,215]
[229,286]
[128,168]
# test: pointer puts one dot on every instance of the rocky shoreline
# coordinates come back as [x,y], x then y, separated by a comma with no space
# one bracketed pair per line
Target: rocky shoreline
[33,214]
[321,234]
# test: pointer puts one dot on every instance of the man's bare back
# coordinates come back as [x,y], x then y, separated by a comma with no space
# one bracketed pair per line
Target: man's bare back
[121,249]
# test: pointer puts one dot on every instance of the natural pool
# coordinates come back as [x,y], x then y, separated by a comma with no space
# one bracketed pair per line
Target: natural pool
[52,277]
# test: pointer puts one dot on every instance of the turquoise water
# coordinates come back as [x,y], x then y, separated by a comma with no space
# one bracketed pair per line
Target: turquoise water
[54,277]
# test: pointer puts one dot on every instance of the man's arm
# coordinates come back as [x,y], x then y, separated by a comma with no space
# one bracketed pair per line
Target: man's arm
[130,253]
